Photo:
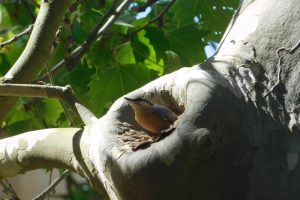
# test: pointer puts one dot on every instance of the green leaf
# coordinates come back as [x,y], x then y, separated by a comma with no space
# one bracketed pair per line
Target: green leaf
[88,17]
[79,79]
[78,32]
[148,54]
[18,114]
[124,54]
[23,126]
[21,120]
[32,114]
[77,193]
[115,82]
[100,53]
[213,15]
[5,66]
[187,43]
[121,28]
[18,13]
[140,49]
[158,40]
[10,53]
[51,111]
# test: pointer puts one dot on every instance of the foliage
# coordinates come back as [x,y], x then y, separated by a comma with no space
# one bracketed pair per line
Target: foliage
[123,60]
[128,56]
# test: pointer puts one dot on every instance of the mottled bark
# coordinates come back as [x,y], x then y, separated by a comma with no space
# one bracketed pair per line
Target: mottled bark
[237,134]
[236,138]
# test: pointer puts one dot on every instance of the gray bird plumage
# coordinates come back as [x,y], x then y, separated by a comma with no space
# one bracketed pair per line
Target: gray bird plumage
[164,113]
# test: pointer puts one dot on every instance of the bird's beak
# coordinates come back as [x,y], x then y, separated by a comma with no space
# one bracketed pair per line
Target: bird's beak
[129,99]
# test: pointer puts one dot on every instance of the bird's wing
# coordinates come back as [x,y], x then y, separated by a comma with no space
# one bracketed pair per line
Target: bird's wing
[164,113]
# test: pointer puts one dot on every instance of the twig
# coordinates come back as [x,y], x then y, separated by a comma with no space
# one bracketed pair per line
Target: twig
[68,28]
[51,187]
[16,37]
[69,40]
[75,4]
[146,5]
[60,101]
[156,18]
[103,25]
[279,66]
[113,17]
[213,45]
[8,190]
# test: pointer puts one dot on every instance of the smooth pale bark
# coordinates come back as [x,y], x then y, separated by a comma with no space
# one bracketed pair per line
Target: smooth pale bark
[37,50]
[65,148]
[236,136]
[46,148]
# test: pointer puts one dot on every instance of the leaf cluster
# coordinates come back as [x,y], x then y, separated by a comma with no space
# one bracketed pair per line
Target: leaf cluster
[134,51]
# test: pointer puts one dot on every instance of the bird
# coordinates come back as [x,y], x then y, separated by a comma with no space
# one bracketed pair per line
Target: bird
[154,118]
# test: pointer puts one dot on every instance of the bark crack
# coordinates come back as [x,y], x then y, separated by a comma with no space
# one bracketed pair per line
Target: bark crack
[279,63]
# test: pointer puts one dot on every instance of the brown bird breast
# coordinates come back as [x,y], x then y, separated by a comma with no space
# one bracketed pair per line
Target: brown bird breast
[151,122]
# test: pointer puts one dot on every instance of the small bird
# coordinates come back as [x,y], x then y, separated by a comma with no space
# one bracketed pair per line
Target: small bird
[152,117]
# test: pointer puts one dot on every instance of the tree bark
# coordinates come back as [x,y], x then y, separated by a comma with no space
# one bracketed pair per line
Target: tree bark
[37,50]
[235,138]
[236,135]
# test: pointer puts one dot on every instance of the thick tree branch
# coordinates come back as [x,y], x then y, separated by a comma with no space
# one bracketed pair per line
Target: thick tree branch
[113,17]
[38,149]
[37,49]
[102,27]
[66,148]
[39,45]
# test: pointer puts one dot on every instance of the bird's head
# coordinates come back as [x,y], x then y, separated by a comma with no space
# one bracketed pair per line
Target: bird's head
[139,103]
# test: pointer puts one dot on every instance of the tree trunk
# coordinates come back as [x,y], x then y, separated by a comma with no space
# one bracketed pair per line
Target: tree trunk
[236,137]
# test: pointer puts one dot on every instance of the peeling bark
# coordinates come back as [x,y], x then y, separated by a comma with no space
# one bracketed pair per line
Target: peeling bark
[236,135]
